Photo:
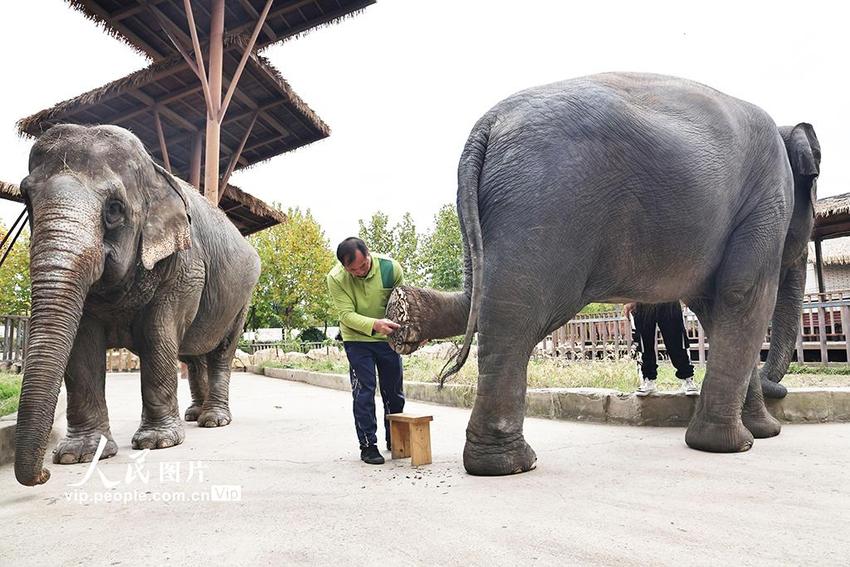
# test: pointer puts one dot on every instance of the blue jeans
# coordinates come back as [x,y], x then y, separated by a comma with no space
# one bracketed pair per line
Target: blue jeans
[363,358]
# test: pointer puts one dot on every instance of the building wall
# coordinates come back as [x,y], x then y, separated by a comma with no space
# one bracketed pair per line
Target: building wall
[835,277]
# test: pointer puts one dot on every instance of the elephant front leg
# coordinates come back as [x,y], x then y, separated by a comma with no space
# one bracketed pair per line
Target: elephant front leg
[755,416]
[85,378]
[495,444]
[425,314]
[161,425]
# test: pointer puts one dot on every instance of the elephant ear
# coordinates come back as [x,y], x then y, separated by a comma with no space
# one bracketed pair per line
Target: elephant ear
[803,149]
[167,228]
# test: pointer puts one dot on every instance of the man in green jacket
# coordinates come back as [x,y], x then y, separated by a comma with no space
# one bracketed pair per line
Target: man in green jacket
[360,286]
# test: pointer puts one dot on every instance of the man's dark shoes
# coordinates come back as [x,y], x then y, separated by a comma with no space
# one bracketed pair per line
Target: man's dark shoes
[371,455]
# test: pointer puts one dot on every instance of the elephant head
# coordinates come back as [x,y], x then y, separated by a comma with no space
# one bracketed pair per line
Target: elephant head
[99,208]
[803,149]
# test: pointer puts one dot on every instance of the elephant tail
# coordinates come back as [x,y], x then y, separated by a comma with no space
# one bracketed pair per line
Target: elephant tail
[468,176]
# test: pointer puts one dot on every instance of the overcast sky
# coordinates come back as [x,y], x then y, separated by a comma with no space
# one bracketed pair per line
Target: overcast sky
[402,83]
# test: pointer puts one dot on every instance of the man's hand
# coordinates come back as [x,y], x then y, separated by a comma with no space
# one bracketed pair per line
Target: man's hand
[384,326]
[628,308]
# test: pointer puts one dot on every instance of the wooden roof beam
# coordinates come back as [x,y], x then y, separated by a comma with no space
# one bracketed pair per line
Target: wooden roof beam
[142,97]
[137,41]
[267,29]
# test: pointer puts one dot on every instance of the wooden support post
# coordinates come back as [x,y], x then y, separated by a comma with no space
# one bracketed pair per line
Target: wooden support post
[211,173]
[234,159]
[819,268]
[199,58]
[824,354]
[845,326]
[197,153]
[163,148]
[800,351]
[248,49]
[701,340]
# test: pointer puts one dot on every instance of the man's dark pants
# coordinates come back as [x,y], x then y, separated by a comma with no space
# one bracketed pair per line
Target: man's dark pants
[363,358]
[668,317]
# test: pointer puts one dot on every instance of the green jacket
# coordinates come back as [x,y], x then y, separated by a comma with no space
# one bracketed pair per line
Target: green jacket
[358,302]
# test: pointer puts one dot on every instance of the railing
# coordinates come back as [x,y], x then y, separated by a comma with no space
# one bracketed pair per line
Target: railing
[822,337]
[14,341]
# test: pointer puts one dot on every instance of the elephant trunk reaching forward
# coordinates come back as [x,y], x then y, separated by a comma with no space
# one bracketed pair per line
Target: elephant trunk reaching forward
[617,188]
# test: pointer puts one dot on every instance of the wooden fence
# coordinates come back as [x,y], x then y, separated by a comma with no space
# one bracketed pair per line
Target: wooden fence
[14,341]
[822,337]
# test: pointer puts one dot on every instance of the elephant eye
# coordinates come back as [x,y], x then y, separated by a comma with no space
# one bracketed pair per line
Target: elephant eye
[113,215]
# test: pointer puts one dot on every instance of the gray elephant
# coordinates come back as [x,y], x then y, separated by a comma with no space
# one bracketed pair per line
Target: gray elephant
[123,254]
[618,188]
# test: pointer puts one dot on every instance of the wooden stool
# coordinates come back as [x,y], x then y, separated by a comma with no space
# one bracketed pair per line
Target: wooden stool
[410,436]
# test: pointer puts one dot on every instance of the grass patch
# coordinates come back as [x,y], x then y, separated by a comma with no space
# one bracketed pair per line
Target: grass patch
[840,369]
[559,373]
[10,392]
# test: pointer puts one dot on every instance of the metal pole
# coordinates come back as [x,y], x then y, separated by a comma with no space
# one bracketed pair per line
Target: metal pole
[14,224]
[213,149]
[11,244]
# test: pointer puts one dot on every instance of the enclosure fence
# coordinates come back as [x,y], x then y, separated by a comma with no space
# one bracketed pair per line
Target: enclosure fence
[824,319]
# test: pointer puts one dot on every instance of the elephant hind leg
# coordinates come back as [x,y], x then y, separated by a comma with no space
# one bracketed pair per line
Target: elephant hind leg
[755,416]
[737,314]
[216,408]
[513,320]
[198,385]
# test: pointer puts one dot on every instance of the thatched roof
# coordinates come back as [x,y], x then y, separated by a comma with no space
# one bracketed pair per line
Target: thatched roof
[834,251]
[284,121]
[248,213]
[832,216]
[10,192]
[139,24]
[832,206]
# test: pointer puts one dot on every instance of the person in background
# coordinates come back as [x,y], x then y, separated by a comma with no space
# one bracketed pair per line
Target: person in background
[669,319]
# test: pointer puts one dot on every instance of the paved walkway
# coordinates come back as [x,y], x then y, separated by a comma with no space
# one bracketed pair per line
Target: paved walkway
[601,495]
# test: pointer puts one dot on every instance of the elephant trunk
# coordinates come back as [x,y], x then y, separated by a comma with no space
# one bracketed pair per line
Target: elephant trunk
[66,258]
[785,326]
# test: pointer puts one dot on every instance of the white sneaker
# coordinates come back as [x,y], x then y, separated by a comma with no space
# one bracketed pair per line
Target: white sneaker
[689,387]
[646,387]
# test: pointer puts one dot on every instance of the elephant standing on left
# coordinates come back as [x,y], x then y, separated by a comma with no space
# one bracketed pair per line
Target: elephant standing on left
[124,255]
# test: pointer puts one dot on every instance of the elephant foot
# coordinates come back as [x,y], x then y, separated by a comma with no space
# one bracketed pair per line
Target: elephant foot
[773,390]
[482,459]
[425,314]
[192,412]
[718,437]
[82,448]
[160,435]
[214,417]
[403,307]
[762,425]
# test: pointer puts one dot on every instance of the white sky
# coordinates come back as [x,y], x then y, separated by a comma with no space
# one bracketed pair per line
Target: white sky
[402,83]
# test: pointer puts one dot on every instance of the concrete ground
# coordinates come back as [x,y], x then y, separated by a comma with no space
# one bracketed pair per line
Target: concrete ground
[601,495]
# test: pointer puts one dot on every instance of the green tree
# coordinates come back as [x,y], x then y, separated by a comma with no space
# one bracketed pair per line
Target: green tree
[407,251]
[377,233]
[15,277]
[296,257]
[442,252]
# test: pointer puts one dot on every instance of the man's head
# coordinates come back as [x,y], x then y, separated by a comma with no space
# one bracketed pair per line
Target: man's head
[354,256]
